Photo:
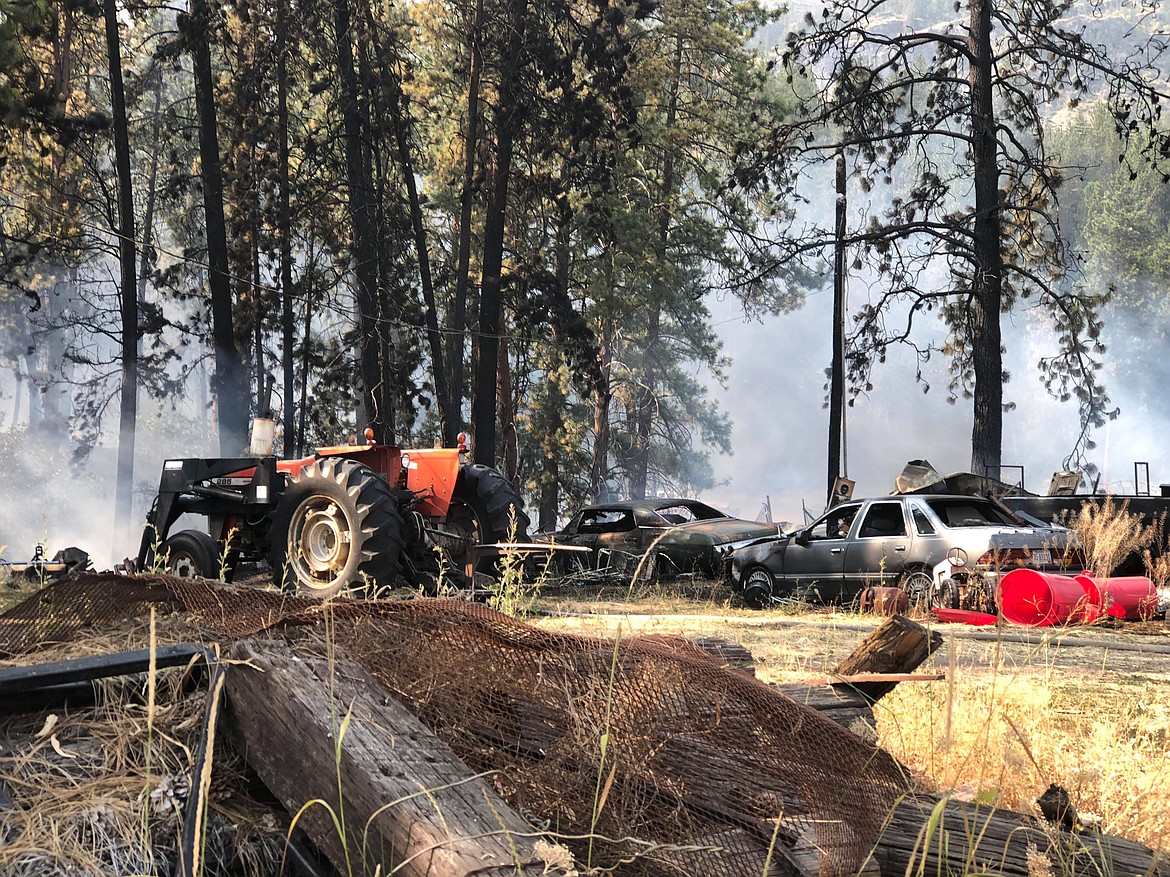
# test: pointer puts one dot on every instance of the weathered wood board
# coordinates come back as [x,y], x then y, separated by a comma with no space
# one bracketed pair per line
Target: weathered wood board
[407,804]
[899,645]
[974,839]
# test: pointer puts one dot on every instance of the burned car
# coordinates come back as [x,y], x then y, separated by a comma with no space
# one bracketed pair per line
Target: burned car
[685,535]
[944,551]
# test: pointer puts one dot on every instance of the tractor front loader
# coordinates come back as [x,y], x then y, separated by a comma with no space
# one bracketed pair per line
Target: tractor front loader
[347,516]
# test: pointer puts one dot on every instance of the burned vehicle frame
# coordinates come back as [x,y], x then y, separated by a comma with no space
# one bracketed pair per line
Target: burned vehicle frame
[675,536]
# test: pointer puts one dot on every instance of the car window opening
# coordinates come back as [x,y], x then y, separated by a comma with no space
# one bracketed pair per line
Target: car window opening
[884,520]
[922,524]
[834,525]
[962,512]
[606,521]
[686,512]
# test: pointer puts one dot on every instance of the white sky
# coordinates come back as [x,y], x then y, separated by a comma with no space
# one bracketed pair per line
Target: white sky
[775,393]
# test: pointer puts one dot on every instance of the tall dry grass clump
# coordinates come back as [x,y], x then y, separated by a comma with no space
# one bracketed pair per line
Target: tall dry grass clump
[1109,534]
[1001,739]
[1156,556]
[104,788]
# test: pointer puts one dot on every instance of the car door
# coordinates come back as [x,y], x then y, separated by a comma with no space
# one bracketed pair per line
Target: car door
[586,528]
[931,542]
[619,538]
[814,560]
[877,553]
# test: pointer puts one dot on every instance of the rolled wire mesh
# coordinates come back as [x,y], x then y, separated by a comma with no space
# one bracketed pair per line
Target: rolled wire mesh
[646,755]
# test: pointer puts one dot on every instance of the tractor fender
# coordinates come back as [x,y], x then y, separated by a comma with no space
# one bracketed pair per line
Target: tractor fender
[431,474]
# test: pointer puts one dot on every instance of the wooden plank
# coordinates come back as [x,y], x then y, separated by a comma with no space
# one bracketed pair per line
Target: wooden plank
[978,839]
[854,678]
[408,805]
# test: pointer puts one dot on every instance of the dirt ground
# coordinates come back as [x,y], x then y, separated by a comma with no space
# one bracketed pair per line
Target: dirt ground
[790,644]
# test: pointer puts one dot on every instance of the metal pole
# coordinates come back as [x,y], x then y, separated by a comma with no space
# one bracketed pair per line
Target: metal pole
[837,375]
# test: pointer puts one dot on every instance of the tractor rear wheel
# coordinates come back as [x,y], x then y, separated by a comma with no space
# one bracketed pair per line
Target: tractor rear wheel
[191,554]
[485,507]
[337,526]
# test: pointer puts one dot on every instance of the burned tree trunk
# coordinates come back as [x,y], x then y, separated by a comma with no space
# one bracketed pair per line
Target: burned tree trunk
[128,412]
[376,392]
[987,282]
[508,118]
[231,377]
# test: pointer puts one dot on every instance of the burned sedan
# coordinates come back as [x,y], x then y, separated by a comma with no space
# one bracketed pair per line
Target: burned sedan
[685,535]
[945,551]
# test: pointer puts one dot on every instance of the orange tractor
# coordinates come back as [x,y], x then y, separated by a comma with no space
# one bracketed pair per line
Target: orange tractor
[348,516]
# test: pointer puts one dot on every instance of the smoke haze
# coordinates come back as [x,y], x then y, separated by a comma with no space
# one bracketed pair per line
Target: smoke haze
[780,429]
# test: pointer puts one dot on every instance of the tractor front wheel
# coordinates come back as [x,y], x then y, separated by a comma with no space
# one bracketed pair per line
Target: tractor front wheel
[191,554]
[336,526]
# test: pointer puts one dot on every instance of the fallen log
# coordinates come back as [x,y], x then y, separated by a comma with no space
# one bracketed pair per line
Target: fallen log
[314,730]
[977,839]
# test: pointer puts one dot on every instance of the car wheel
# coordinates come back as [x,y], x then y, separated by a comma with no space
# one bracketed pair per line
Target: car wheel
[758,587]
[918,584]
[945,595]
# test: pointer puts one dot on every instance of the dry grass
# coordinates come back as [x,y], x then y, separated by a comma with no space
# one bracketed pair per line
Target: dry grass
[1109,534]
[1156,556]
[102,790]
[1001,739]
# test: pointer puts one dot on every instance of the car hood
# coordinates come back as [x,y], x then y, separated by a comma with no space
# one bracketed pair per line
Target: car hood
[720,531]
